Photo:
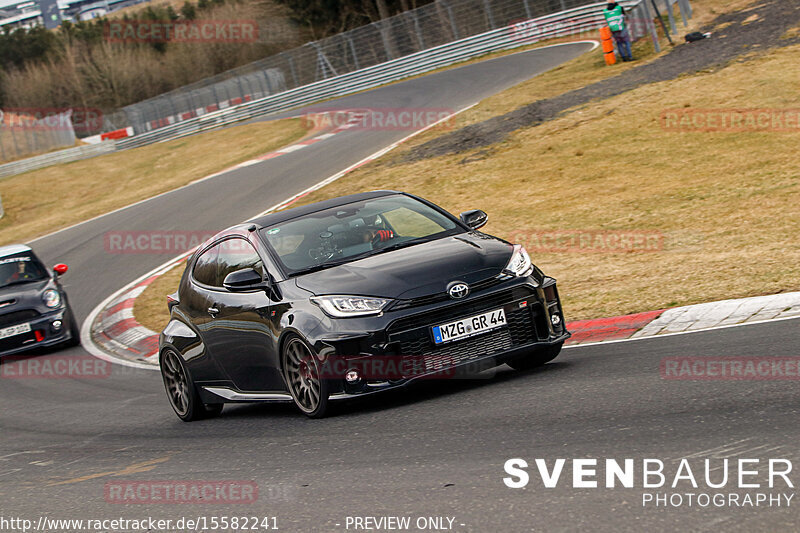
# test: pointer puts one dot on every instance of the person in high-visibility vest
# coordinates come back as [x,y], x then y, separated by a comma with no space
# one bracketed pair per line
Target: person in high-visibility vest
[617,21]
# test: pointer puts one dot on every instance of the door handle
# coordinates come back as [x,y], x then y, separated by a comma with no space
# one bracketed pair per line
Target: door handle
[213,311]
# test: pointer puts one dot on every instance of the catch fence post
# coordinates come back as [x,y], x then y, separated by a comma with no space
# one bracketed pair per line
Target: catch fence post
[648,17]
[671,17]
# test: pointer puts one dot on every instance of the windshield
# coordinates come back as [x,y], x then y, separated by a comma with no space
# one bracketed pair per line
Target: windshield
[21,268]
[353,231]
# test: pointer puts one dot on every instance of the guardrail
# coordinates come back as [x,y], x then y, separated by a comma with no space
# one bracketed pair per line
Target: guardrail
[53,158]
[565,23]
[570,22]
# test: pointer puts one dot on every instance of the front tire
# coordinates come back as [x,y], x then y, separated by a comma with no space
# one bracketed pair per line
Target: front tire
[74,331]
[537,358]
[301,372]
[181,391]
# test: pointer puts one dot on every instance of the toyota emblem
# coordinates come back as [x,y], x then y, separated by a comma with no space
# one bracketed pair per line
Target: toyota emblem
[458,290]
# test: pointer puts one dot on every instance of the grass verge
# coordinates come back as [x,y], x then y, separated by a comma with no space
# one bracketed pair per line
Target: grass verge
[723,203]
[610,167]
[582,71]
[42,201]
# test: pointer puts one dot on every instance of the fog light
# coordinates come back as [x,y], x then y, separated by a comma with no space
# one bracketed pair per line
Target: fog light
[56,325]
[555,320]
[352,376]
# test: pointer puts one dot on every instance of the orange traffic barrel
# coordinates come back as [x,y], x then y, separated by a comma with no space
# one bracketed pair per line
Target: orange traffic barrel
[608,45]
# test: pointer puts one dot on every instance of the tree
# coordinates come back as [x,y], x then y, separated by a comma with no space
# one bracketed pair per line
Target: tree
[188,11]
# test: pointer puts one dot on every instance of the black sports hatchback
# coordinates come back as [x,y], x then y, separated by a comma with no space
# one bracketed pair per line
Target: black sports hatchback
[350,297]
[34,311]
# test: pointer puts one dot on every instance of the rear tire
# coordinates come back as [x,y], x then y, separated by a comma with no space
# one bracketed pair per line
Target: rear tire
[302,375]
[181,391]
[536,359]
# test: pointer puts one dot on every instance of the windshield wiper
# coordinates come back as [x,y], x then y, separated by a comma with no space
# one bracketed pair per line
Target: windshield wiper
[403,244]
[321,266]
[350,259]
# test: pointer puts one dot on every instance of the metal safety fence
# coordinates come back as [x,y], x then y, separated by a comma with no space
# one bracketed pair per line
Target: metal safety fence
[205,96]
[345,73]
[25,132]
[53,158]
[421,33]
[576,23]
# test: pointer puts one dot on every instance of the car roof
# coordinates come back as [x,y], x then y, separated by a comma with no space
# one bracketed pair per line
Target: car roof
[288,214]
[13,249]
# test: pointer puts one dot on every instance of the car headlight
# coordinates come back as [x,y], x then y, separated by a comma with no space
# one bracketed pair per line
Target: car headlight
[52,298]
[520,264]
[345,306]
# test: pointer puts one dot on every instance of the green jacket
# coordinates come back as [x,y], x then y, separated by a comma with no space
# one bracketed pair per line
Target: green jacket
[615,18]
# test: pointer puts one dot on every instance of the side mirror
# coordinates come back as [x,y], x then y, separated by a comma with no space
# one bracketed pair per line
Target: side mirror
[474,219]
[60,269]
[247,279]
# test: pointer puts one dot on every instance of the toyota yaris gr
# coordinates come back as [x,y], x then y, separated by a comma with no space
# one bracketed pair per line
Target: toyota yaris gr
[34,310]
[349,297]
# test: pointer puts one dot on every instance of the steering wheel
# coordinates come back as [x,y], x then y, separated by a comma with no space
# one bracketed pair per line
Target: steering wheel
[325,250]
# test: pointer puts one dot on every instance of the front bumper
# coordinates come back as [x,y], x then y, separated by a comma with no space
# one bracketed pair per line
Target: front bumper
[41,335]
[404,352]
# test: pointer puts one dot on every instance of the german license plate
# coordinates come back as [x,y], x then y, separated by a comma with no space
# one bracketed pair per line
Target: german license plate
[468,327]
[14,330]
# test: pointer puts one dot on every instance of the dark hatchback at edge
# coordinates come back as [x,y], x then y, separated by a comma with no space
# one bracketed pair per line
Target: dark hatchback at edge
[34,310]
[349,297]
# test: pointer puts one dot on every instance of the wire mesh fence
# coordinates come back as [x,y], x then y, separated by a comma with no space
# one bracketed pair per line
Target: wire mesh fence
[211,94]
[426,27]
[24,132]
[429,27]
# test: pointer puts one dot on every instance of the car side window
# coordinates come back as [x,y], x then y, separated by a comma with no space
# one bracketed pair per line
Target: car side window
[228,256]
[205,268]
[236,254]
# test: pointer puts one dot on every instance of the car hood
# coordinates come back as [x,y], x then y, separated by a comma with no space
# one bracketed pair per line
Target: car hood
[416,271]
[24,296]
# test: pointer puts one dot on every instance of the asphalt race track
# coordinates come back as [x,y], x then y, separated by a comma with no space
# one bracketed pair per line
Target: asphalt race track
[437,449]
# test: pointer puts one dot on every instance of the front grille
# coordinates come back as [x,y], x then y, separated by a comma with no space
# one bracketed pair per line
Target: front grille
[18,317]
[522,328]
[460,352]
[460,309]
[526,325]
